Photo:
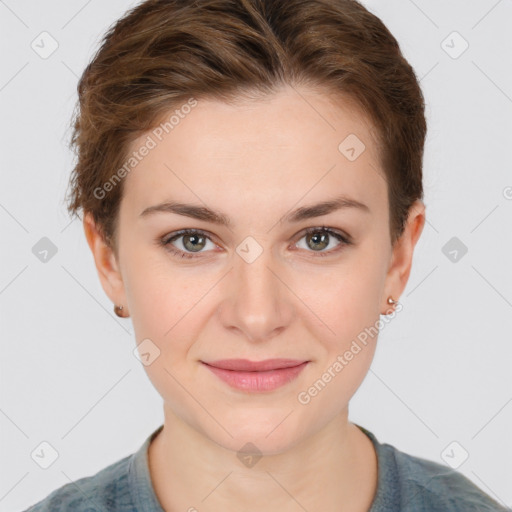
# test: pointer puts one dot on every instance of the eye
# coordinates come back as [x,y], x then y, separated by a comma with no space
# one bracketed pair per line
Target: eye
[193,240]
[318,238]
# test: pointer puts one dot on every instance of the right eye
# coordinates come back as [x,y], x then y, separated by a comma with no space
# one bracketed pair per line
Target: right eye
[193,240]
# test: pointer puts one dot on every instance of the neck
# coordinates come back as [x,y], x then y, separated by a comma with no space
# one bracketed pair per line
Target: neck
[335,469]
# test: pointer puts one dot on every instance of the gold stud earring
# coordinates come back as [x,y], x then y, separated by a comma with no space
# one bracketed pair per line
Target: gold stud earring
[392,303]
[118,310]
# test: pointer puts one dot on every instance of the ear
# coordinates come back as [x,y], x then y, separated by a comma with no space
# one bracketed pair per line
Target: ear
[105,261]
[401,260]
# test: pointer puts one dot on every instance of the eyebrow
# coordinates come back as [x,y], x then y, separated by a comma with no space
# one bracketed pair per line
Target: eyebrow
[300,214]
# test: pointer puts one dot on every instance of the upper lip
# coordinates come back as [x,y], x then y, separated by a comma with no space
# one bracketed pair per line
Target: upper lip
[254,366]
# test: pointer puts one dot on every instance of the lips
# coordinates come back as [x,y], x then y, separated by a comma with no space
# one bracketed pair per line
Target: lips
[256,376]
[244,365]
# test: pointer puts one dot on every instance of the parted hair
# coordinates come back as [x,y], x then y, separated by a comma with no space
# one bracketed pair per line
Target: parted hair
[161,53]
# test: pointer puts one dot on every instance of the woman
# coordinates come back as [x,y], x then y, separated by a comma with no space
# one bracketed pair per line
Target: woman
[250,174]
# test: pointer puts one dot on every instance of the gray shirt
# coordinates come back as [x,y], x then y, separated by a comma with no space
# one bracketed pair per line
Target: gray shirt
[405,483]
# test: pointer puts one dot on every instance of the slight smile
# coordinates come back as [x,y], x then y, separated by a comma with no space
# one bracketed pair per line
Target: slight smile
[256,376]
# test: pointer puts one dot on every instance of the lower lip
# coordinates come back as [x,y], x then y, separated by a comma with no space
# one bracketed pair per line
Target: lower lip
[258,381]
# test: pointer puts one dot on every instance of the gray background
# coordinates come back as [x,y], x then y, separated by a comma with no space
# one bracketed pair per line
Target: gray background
[442,368]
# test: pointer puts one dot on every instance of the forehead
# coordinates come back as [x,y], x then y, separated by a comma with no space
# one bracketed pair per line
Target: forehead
[293,143]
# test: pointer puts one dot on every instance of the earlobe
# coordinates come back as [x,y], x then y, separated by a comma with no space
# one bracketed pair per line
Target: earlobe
[105,260]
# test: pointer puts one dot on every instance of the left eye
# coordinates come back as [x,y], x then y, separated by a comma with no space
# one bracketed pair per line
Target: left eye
[193,241]
[320,238]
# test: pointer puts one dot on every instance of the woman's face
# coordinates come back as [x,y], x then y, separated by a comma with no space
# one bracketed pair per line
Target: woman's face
[260,287]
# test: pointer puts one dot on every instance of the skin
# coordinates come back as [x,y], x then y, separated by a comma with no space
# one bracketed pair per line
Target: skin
[256,161]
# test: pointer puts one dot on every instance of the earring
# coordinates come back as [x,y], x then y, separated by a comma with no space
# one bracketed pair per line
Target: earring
[392,302]
[118,310]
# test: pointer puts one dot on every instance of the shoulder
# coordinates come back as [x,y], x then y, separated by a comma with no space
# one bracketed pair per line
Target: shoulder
[428,485]
[108,489]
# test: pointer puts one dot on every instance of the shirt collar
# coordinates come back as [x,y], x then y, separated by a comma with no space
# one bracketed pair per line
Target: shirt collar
[387,497]
[141,487]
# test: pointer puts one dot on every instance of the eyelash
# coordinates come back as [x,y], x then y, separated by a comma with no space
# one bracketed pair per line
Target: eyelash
[166,241]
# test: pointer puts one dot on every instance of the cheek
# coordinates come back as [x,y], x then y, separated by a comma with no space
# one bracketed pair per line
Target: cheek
[351,312]
[166,311]
[160,296]
[355,304]
[343,300]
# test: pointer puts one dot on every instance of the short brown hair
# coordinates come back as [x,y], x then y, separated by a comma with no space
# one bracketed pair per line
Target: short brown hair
[163,52]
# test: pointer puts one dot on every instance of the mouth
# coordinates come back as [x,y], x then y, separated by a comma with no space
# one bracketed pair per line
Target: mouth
[256,376]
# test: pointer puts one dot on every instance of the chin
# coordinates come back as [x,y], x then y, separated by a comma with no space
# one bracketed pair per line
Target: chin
[257,442]
[271,435]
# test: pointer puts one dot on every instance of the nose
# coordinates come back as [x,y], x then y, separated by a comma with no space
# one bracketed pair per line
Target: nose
[257,303]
